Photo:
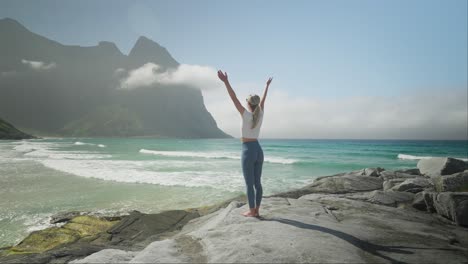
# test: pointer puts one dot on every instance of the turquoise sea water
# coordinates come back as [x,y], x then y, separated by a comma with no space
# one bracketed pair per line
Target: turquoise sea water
[41,177]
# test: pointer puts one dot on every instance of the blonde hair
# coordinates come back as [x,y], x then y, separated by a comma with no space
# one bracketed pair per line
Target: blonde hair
[255,116]
[254,101]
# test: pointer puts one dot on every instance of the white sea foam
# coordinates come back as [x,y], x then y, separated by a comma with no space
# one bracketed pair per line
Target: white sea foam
[76,155]
[43,150]
[411,157]
[136,172]
[213,155]
[37,222]
[280,160]
[79,143]
[91,164]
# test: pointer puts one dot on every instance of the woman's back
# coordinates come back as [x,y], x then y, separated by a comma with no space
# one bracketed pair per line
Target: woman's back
[246,129]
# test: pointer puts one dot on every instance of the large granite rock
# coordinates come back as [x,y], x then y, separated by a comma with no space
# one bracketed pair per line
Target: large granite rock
[355,181]
[373,171]
[457,182]
[86,234]
[413,185]
[414,171]
[141,229]
[389,198]
[108,256]
[441,166]
[419,202]
[63,217]
[389,175]
[389,184]
[453,206]
[80,227]
[316,228]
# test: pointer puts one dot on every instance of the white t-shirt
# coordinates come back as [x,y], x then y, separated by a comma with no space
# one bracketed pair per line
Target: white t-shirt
[246,130]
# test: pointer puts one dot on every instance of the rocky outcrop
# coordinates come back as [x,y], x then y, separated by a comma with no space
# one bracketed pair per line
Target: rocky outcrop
[441,166]
[83,234]
[78,229]
[413,185]
[8,131]
[355,181]
[64,217]
[316,228]
[419,202]
[389,198]
[453,206]
[457,182]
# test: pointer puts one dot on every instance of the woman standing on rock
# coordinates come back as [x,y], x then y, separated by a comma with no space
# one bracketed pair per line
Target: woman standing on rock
[252,153]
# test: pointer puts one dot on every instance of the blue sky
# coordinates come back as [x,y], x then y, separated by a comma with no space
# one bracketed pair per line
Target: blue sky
[327,50]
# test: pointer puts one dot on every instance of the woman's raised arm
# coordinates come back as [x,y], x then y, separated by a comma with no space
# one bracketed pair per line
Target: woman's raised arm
[232,94]
[262,102]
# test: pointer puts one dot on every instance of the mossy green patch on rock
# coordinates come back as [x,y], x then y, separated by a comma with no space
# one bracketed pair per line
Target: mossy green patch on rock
[86,225]
[43,240]
[80,227]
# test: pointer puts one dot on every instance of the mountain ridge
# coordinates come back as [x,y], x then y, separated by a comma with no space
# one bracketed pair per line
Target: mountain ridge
[54,85]
[8,131]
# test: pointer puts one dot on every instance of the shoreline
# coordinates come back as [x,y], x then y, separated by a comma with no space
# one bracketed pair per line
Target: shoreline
[404,190]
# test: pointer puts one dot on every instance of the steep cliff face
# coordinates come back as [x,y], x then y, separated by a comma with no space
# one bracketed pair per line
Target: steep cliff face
[74,91]
[8,131]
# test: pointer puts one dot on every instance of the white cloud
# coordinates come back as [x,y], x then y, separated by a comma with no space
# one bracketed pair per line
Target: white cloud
[434,115]
[201,77]
[39,65]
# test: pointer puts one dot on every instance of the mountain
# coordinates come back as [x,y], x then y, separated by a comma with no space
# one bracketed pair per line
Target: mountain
[69,90]
[8,131]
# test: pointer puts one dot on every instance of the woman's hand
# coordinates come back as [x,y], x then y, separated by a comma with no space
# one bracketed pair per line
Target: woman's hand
[223,76]
[262,102]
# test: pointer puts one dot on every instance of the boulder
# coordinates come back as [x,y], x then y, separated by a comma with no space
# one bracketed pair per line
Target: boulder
[429,200]
[341,183]
[388,184]
[457,182]
[389,198]
[419,202]
[388,175]
[409,171]
[453,206]
[441,166]
[413,185]
[373,171]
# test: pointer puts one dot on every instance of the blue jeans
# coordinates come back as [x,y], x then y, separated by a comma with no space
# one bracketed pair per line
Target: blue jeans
[252,162]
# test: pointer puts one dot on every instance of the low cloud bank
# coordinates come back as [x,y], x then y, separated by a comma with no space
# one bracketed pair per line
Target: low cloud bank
[434,114]
[39,65]
[201,77]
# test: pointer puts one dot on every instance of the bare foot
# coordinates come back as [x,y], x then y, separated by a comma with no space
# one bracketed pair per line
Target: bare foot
[256,212]
[250,213]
